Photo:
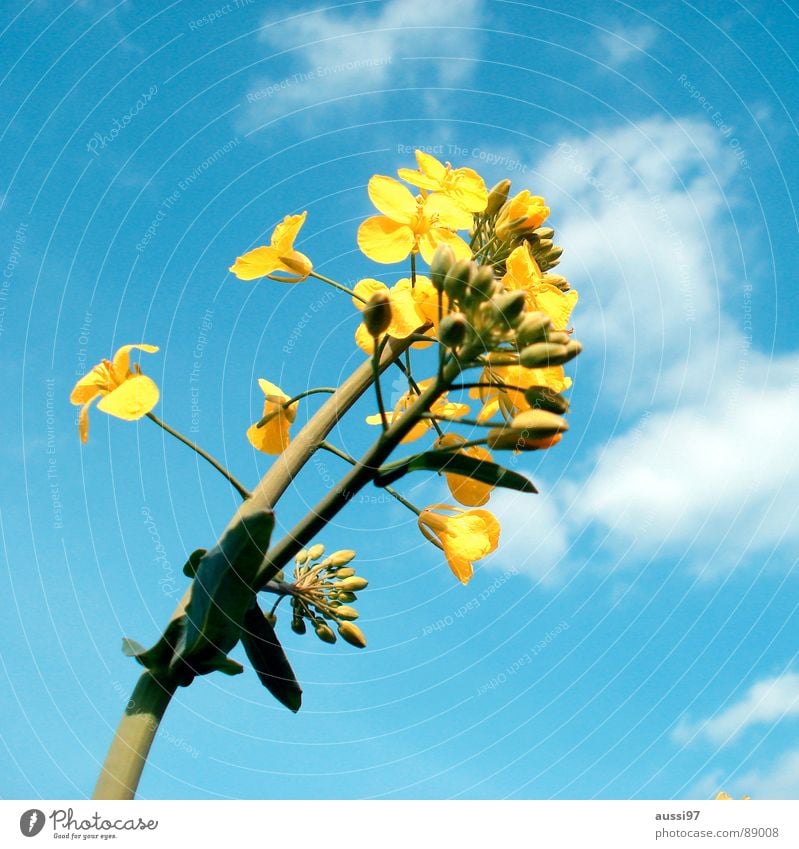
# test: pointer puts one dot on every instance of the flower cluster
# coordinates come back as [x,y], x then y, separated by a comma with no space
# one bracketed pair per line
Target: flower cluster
[323,592]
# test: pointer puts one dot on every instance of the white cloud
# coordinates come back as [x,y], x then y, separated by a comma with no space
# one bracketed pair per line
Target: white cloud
[625,44]
[381,46]
[767,701]
[779,781]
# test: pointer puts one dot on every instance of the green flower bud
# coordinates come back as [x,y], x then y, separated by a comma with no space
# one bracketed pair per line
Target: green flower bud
[528,431]
[457,279]
[346,596]
[557,280]
[345,573]
[483,281]
[324,633]
[443,259]
[377,314]
[543,398]
[352,634]
[298,625]
[353,584]
[453,329]
[545,354]
[497,197]
[509,306]
[344,612]
[544,233]
[533,327]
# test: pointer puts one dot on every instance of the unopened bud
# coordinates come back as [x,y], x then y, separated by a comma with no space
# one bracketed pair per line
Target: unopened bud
[457,279]
[545,354]
[340,558]
[353,584]
[557,280]
[529,430]
[377,314]
[544,232]
[301,557]
[316,551]
[298,625]
[559,337]
[443,259]
[543,398]
[346,596]
[345,573]
[484,281]
[497,196]
[324,633]
[533,327]
[509,306]
[453,329]
[352,634]
[345,612]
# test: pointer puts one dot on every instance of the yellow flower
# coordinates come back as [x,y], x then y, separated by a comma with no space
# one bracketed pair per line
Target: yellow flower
[409,224]
[123,393]
[530,211]
[464,490]
[411,307]
[721,796]
[511,400]
[440,407]
[465,186]
[278,256]
[273,437]
[465,537]
[524,275]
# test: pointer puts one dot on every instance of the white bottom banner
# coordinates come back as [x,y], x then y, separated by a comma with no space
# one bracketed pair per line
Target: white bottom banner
[356,824]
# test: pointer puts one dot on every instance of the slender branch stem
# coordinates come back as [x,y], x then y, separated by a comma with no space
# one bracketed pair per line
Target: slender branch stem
[389,489]
[378,388]
[286,404]
[242,491]
[338,286]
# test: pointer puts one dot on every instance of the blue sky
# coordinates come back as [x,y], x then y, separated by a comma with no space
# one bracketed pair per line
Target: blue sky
[634,636]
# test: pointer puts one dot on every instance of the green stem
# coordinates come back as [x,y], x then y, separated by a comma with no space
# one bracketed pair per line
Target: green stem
[286,404]
[378,389]
[389,489]
[243,492]
[123,767]
[338,286]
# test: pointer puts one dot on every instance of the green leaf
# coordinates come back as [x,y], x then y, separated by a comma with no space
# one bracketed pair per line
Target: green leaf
[269,660]
[455,463]
[222,591]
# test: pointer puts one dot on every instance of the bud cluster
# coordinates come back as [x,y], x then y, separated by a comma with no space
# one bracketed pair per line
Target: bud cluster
[323,592]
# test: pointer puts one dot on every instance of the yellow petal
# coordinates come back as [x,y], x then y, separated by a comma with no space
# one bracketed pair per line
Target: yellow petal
[522,269]
[439,236]
[271,389]
[130,400]
[405,317]
[90,385]
[294,264]
[392,199]
[447,212]
[469,190]
[425,296]
[273,437]
[366,288]
[384,240]
[557,304]
[466,490]
[430,166]
[421,181]
[256,263]
[122,359]
[365,341]
[285,233]
[83,422]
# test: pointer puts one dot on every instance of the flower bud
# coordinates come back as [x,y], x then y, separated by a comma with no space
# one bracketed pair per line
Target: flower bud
[545,354]
[457,279]
[544,232]
[453,329]
[533,327]
[301,557]
[558,337]
[345,573]
[345,612]
[377,314]
[271,619]
[529,430]
[543,398]
[557,280]
[483,281]
[316,551]
[352,634]
[341,558]
[353,584]
[443,259]
[324,633]
[346,596]
[497,197]
[298,625]
[509,306]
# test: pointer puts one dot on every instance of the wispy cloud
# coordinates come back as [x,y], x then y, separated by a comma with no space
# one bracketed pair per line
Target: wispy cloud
[335,56]
[767,701]
[626,44]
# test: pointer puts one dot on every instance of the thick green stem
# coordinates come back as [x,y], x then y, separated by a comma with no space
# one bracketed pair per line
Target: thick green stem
[128,751]
[123,767]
